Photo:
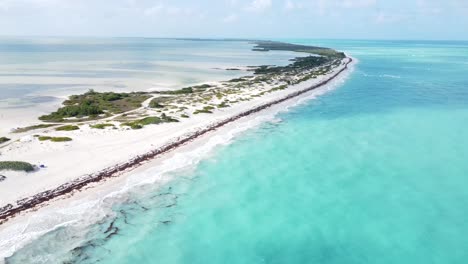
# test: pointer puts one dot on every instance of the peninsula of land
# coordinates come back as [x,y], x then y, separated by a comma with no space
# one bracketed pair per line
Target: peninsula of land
[98,135]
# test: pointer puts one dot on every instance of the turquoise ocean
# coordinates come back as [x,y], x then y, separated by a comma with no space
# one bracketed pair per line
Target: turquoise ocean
[374,171]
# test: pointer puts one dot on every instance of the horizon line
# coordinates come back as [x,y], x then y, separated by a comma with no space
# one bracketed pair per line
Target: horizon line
[229,38]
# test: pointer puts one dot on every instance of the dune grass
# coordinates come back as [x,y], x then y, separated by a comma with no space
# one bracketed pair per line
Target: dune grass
[16,166]
[4,140]
[67,128]
[187,90]
[60,139]
[54,139]
[151,120]
[205,110]
[101,126]
[43,138]
[29,128]
[223,105]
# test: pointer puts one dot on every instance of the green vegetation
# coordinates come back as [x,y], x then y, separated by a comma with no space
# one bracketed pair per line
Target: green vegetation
[151,120]
[29,128]
[101,126]
[43,138]
[223,105]
[60,139]
[91,105]
[84,109]
[16,166]
[299,65]
[205,110]
[67,128]
[155,104]
[4,140]
[187,90]
[203,86]
[54,139]
[161,102]
[279,88]
[274,45]
[237,80]
[219,95]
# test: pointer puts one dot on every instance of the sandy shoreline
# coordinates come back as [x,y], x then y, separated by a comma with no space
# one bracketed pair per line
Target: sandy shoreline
[71,185]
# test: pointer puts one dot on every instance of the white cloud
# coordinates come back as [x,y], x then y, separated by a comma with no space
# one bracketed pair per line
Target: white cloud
[5,5]
[259,5]
[358,3]
[428,9]
[380,18]
[9,4]
[383,18]
[232,2]
[321,6]
[156,9]
[174,10]
[327,7]
[294,5]
[160,8]
[288,5]
[231,18]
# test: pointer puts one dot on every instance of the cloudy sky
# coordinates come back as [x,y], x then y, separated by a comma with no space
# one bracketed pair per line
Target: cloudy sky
[363,19]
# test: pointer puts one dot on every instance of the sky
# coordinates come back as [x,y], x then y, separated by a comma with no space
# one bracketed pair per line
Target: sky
[326,19]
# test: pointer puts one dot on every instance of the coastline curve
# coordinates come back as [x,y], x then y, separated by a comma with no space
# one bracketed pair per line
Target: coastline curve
[9,211]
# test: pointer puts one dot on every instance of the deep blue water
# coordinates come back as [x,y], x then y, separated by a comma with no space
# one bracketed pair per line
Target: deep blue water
[372,172]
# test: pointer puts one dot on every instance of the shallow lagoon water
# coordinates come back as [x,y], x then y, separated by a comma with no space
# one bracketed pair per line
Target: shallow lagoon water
[61,66]
[38,74]
[372,172]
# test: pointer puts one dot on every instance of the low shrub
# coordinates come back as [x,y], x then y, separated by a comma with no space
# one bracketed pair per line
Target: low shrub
[29,128]
[93,105]
[88,108]
[60,139]
[54,139]
[223,105]
[67,128]
[237,80]
[187,90]
[155,104]
[205,110]
[102,126]
[203,86]
[16,166]
[3,140]
[151,120]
